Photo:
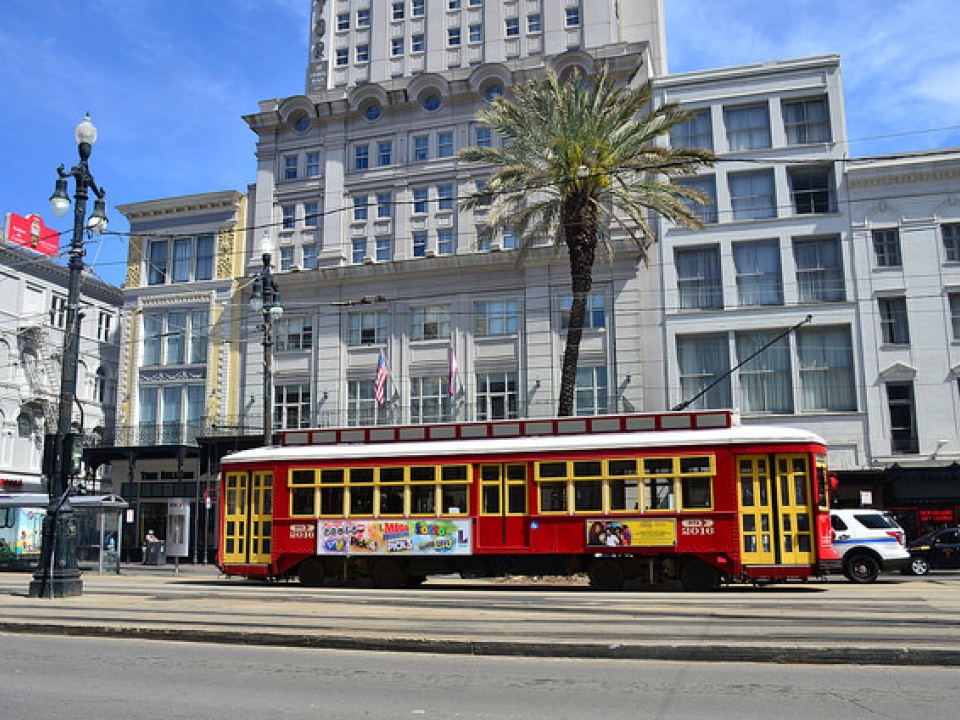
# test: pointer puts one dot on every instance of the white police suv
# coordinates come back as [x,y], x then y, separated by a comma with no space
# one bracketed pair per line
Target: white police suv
[869,541]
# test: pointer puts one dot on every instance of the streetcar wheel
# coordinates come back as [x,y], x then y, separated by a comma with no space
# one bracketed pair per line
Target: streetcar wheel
[698,576]
[312,572]
[918,566]
[606,575]
[861,569]
[388,574]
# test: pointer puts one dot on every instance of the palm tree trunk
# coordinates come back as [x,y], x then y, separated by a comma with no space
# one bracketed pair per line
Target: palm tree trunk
[579,227]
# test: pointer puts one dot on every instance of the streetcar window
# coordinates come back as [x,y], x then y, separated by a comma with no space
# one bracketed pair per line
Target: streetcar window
[553,497]
[361,475]
[490,499]
[331,501]
[455,499]
[552,470]
[517,499]
[422,474]
[331,476]
[624,495]
[620,468]
[746,491]
[302,501]
[303,477]
[658,466]
[454,472]
[659,494]
[695,493]
[423,499]
[588,496]
[588,469]
[391,500]
[692,465]
[361,500]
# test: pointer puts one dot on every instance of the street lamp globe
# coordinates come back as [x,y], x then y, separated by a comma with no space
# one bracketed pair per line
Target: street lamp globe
[86,131]
[60,201]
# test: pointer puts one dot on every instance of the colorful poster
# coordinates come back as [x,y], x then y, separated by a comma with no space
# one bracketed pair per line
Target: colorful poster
[390,537]
[30,232]
[660,532]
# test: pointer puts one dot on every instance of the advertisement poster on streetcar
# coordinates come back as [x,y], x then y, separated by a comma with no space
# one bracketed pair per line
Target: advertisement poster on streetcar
[632,533]
[390,537]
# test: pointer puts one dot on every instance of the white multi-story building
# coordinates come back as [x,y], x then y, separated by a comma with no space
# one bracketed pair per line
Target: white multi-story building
[33,317]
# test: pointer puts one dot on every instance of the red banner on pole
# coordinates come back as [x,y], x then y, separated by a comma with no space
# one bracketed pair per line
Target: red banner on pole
[31,233]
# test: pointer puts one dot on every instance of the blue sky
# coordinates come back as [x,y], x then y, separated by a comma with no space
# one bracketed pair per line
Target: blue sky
[167,84]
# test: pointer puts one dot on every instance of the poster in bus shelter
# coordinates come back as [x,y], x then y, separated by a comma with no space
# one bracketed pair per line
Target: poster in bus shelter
[388,537]
[632,533]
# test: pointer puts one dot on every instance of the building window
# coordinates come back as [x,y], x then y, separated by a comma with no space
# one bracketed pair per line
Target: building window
[811,189]
[417,8]
[309,256]
[698,278]
[444,197]
[703,361]
[806,121]
[363,18]
[445,241]
[368,328]
[453,37]
[476,33]
[291,407]
[396,46]
[360,207]
[363,53]
[311,214]
[175,338]
[572,17]
[431,322]
[753,195]
[362,406]
[903,418]
[695,133]
[534,23]
[483,137]
[418,43]
[819,270]
[595,317]
[591,393]
[289,216]
[765,379]
[343,56]
[361,157]
[170,415]
[421,148]
[826,370]
[313,164]
[191,260]
[748,127]
[955,314]
[398,8]
[286,258]
[512,27]
[758,273]
[886,248]
[445,144]
[104,321]
[294,333]
[58,311]
[384,205]
[430,399]
[893,320]
[492,318]
[103,389]
[951,241]
[358,250]
[290,167]
[384,153]
[707,185]
[420,243]
[420,201]
[497,396]
[343,21]
[384,248]
[432,103]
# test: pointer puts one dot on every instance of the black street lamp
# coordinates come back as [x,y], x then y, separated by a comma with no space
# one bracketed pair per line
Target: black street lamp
[57,575]
[266,298]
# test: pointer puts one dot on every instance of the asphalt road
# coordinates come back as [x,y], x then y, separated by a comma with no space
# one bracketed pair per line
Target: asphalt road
[107,679]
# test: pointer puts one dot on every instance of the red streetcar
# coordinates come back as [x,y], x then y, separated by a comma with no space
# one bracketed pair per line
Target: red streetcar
[693,497]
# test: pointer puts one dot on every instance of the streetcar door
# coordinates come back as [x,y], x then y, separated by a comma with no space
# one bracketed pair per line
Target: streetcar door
[794,505]
[754,477]
[502,520]
[248,518]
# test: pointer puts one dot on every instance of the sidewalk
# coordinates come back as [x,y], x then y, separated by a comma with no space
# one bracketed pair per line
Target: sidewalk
[895,621]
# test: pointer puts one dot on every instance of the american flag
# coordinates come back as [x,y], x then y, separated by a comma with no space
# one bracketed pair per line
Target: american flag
[382,373]
[452,389]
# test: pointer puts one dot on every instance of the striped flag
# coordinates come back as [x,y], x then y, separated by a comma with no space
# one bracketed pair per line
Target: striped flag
[382,373]
[453,373]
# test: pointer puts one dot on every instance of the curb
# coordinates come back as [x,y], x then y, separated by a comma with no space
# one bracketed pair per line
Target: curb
[810,655]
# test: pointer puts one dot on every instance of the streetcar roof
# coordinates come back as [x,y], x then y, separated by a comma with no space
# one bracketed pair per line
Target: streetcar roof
[692,439]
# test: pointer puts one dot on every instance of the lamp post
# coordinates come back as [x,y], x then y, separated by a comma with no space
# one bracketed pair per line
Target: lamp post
[266,299]
[57,575]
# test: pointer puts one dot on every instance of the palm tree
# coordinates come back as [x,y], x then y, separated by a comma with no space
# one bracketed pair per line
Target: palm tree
[578,159]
